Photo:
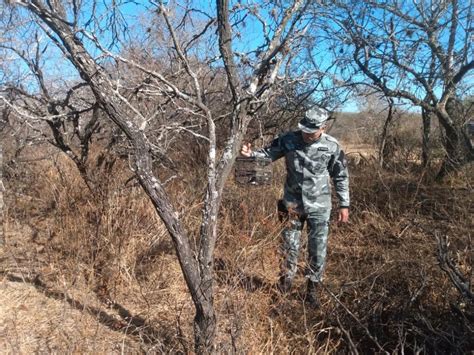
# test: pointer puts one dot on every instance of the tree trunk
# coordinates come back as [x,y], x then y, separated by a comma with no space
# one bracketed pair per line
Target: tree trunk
[200,289]
[455,156]
[383,152]
[426,149]
[457,145]
[205,328]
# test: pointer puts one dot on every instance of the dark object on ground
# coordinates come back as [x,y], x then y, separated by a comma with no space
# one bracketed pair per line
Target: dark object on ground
[312,294]
[284,285]
[254,171]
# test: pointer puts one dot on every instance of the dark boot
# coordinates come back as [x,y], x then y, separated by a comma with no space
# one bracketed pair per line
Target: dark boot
[284,284]
[312,294]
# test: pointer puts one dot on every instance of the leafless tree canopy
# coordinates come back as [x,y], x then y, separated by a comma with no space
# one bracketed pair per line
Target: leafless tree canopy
[419,52]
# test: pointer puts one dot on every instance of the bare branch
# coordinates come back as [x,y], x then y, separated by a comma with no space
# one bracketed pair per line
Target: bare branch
[446,264]
[225,47]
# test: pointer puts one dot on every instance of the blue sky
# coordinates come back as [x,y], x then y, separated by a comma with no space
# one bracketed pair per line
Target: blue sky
[136,15]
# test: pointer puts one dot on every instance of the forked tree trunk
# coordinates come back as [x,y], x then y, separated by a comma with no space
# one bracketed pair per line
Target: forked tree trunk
[100,85]
[198,274]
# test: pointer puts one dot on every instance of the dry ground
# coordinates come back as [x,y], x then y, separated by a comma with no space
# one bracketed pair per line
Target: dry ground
[97,274]
[37,319]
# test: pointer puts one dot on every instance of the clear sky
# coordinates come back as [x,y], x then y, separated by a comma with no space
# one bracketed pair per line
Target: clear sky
[134,22]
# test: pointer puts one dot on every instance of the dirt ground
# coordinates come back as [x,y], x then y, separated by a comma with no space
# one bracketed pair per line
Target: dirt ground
[37,319]
[31,321]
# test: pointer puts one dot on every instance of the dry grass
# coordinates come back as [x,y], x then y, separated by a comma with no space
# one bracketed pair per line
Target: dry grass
[103,267]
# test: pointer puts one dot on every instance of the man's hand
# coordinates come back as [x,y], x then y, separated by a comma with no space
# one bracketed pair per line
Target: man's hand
[343,215]
[246,150]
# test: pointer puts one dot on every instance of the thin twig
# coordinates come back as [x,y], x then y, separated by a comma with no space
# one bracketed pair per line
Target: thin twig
[355,318]
[348,337]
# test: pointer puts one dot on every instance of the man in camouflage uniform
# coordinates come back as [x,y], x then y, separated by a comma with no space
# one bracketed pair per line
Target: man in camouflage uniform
[312,157]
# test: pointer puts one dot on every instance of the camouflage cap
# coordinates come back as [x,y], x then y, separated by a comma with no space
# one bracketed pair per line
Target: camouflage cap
[313,120]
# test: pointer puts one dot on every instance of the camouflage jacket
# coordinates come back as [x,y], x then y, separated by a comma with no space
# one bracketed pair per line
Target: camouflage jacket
[309,166]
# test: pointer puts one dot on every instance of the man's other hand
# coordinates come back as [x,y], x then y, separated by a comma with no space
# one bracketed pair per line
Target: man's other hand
[246,150]
[343,215]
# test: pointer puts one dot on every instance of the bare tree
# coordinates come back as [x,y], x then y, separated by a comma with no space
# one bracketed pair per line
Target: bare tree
[68,109]
[419,52]
[250,74]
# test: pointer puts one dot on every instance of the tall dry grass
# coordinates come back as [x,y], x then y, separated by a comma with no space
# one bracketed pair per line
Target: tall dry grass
[106,249]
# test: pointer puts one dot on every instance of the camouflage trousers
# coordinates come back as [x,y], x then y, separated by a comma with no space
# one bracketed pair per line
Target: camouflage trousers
[318,229]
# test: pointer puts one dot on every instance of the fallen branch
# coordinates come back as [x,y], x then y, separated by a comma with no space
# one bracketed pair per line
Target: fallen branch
[447,265]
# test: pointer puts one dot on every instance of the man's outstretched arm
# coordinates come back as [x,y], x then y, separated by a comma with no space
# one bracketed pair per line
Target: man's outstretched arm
[274,151]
